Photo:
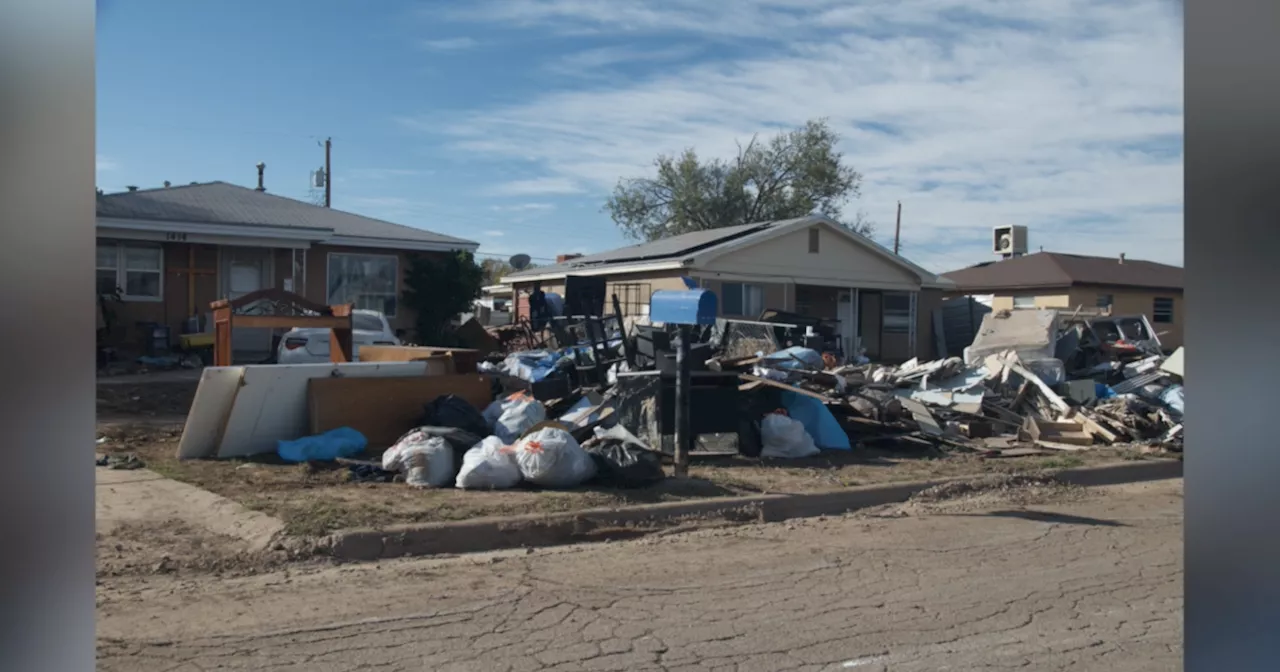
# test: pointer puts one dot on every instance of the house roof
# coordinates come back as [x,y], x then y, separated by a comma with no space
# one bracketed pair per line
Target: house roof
[232,205]
[1055,269]
[687,249]
[666,249]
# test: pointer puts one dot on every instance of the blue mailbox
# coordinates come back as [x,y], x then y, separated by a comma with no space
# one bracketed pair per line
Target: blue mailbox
[691,306]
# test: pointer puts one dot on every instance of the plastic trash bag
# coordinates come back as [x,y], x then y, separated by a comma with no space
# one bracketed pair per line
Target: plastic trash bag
[621,464]
[494,410]
[518,418]
[454,411]
[490,465]
[426,460]
[817,420]
[796,357]
[1173,398]
[785,437]
[335,443]
[551,458]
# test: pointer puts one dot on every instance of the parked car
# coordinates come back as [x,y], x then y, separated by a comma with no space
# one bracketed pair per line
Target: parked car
[311,345]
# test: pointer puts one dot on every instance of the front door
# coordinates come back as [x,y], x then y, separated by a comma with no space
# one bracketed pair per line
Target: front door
[869,322]
[246,270]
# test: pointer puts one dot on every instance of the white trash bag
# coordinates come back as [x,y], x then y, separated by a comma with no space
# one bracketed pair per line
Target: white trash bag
[426,460]
[518,418]
[552,458]
[489,465]
[785,437]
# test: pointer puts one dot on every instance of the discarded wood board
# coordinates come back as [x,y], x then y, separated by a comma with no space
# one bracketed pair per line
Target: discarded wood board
[1064,447]
[1058,432]
[458,360]
[383,409]
[1090,425]
[269,404]
[922,416]
[1046,391]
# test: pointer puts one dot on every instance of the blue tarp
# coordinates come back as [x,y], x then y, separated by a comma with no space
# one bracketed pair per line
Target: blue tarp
[817,420]
[335,443]
[794,358]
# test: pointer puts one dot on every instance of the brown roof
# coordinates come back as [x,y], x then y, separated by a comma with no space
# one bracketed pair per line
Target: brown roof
[1053,269]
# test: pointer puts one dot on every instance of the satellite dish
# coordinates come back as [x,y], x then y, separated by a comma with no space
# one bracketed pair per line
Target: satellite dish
[519,261]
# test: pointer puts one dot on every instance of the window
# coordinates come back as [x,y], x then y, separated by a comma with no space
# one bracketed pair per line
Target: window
[741,300]
[135,270]
[1024,302]
[1162,310]
[633,298]
[368,281]
[813,240]
[896,310]
[1105,300]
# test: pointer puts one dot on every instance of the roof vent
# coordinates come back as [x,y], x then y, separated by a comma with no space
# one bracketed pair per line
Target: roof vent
[1122,257]
[262,168]
[167,184]
[131,188]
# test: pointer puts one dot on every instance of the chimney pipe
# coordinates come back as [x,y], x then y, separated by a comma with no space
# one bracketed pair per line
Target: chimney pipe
[262,168]
[1122,257]
[167,184]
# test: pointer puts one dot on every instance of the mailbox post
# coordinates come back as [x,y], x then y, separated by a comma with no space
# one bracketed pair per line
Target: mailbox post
[684,309]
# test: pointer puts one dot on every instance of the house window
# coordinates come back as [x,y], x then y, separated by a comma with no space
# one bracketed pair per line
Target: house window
[1162,310]
[896,310]
[1105,301]
[368,281]
[633,298]
[741,300]
[813,240]
[135,270]
[1021,302]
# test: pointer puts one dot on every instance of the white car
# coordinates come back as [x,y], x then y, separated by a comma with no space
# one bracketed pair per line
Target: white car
[310,345]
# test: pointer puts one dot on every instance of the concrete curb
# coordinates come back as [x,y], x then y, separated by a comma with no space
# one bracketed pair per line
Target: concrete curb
[490,534]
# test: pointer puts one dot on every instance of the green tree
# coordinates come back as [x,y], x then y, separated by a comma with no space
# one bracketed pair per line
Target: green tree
[796,173]
[438,289]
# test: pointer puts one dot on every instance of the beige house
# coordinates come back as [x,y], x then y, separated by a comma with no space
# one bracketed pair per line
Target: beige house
[812,266]
[1114,285]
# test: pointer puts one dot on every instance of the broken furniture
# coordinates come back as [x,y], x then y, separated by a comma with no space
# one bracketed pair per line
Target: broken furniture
[278,309]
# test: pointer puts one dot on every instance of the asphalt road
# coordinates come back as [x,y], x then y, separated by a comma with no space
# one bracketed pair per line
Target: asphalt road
[1083,582]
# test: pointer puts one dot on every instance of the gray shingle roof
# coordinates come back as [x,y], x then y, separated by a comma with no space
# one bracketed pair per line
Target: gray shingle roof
[664,249]
[1053,269]
[229,204]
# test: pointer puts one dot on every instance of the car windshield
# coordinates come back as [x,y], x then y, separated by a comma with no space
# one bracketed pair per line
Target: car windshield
[365,322]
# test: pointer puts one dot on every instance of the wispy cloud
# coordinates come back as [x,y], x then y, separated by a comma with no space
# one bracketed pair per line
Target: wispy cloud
[1065,115]
[386,173]
[590,62]
[542,186]
[105,164]
[495,233]
[450,44]
[524,207]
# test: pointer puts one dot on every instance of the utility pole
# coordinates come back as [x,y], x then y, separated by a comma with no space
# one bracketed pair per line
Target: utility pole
[328,175]
[897,229]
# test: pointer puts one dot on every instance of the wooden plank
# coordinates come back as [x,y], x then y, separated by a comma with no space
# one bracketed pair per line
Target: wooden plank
[1065,447]
[1091,426]
[1052,397]
[922,416]
[383,409]
[289,322]
[789,388]
[464,359]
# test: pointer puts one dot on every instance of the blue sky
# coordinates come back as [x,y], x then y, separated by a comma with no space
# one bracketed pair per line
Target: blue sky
[508,121]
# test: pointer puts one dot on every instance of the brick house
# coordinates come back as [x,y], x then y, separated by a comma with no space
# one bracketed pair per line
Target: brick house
[171,251]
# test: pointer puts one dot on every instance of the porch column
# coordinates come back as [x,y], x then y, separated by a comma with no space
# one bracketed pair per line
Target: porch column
[911,327]
[856,306]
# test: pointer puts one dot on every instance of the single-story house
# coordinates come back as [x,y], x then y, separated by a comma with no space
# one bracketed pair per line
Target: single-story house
[1115,285]
[171,251]
[812,265]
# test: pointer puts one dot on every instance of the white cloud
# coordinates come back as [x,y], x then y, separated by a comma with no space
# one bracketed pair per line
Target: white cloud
[524,207]
[385,173]
[105,164]
[495,234]
[542,186]
[972,113]
[450,44]
[601,60]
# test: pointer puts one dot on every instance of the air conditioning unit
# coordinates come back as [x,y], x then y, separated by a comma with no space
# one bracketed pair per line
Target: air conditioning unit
[1009,241]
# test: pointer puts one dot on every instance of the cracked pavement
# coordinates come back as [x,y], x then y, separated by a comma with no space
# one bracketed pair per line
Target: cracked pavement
[1093,583]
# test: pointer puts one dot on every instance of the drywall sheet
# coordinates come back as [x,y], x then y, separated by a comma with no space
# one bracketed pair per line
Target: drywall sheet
[209,411]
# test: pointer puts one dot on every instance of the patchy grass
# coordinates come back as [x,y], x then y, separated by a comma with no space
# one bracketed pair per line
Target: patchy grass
[314,501]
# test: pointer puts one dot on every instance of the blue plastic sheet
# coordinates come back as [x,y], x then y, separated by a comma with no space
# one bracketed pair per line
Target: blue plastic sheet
[1172,397]
[795,358]
[335,443]
[817,420]
[1103,391]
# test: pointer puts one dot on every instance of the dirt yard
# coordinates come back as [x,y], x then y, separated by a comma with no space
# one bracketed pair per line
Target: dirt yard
[314,500]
